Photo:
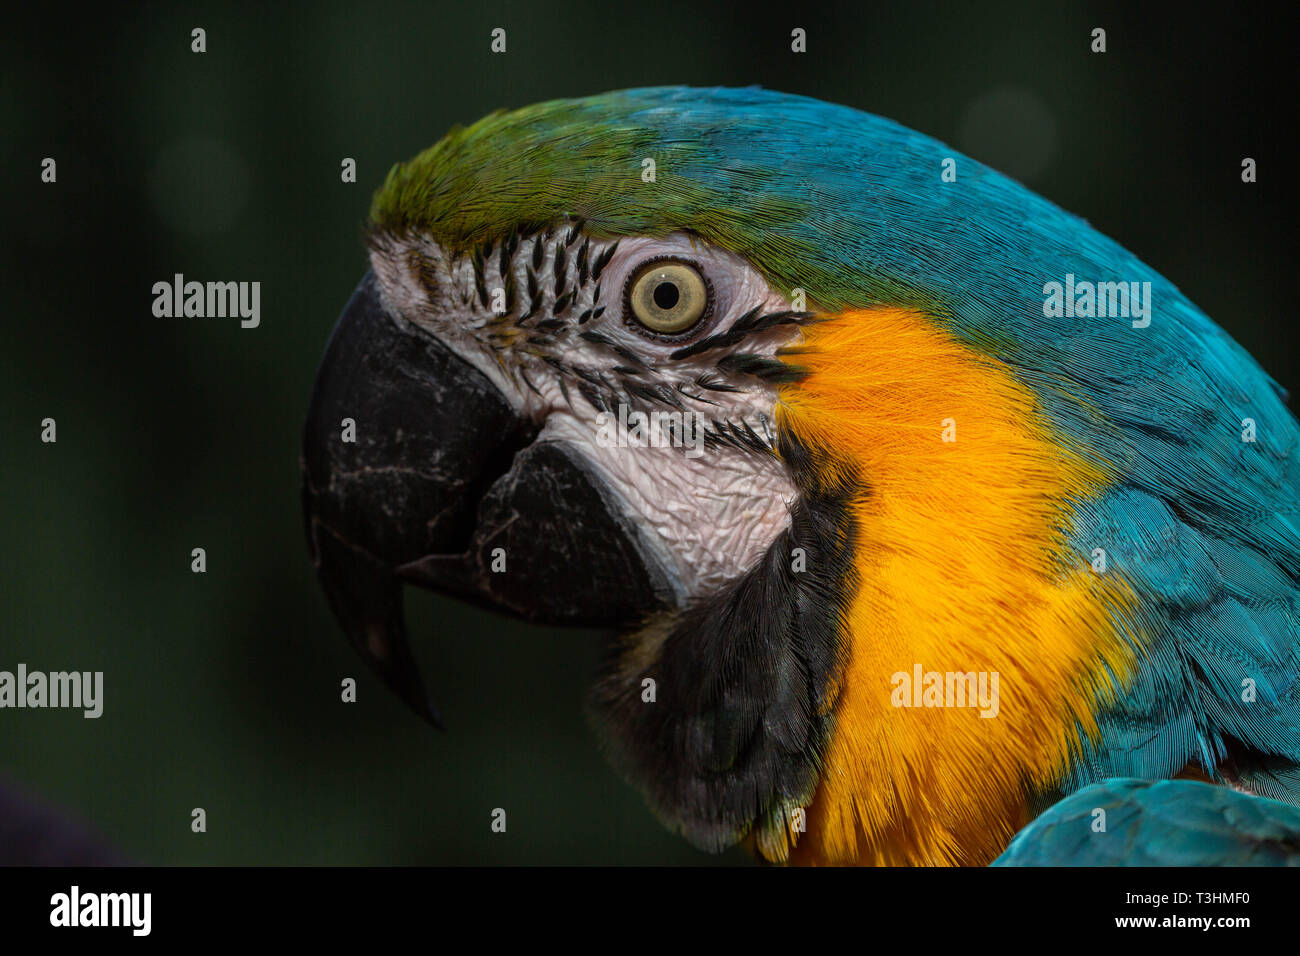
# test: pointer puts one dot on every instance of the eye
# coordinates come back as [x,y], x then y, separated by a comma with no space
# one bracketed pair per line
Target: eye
[668,296]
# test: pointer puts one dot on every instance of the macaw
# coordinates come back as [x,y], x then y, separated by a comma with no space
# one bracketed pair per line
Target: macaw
[917,503]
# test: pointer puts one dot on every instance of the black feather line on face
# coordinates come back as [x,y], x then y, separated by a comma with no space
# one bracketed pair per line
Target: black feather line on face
[582,262]
[771,370]
[593,397]
[528,382]
[714,385]
[603,261]
[534,295]
[479,284]
[561,271]
[748,324]
[503,261]
[512,290]
[599,338]
[746,680]
[627,355]
[574,231]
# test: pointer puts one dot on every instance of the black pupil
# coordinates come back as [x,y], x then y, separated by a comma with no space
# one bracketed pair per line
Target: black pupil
[666,295]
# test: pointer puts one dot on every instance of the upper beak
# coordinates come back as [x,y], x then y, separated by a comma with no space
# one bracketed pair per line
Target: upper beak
[415,467]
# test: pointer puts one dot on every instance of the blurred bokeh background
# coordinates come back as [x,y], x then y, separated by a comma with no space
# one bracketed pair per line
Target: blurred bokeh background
[222,689]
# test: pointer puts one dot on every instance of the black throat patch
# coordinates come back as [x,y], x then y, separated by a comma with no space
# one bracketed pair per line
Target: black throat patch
[745,681]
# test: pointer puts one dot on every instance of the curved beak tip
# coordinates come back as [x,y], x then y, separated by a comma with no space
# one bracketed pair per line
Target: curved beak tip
[390,656]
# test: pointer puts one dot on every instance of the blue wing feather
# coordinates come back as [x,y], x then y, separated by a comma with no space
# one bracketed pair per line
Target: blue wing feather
[1167,823]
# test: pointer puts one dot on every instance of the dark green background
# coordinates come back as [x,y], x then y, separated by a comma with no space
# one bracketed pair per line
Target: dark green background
[222,689]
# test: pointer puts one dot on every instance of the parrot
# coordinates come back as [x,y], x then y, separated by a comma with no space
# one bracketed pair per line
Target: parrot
[915,505]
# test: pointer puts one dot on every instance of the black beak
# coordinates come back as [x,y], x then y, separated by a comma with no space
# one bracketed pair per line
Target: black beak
[415,467]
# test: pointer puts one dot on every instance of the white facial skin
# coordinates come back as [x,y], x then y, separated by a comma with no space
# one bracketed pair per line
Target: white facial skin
[712,516]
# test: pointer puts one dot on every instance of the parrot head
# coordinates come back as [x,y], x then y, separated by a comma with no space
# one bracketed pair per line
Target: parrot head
[748,379]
